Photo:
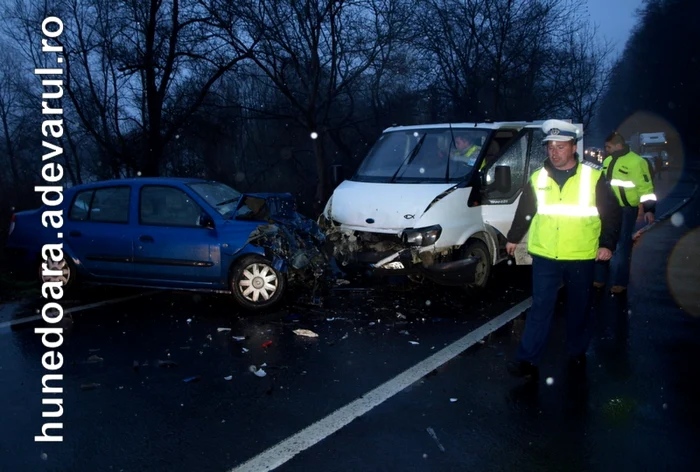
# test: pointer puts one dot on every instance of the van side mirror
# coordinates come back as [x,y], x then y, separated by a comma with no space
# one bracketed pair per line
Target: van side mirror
[337,175]
[503,180]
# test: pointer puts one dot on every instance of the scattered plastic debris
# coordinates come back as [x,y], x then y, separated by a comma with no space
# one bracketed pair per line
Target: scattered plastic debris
[90,386]
[256,371]
[452,400]
[238,338]
[414,342]
[267,344]
[223,329]
[94,359]
[191,379]
[305,332]
[404,332]
[428,303]
[550,381]
[340,282]
[189,320]
[244,350]
[400,316]
[432,434]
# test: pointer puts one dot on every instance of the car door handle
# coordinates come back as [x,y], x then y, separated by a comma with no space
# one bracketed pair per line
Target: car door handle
[75,234]
[146,239]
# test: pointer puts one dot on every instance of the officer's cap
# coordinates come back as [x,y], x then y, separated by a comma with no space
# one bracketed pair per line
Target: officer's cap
[558,130]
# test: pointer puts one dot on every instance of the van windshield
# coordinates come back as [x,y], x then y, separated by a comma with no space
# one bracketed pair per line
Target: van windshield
[423,156]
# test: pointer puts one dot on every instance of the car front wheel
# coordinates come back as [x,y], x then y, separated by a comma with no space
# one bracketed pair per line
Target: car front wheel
[255,284]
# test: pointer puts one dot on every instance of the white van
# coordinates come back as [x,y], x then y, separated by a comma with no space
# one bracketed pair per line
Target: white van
[421,207]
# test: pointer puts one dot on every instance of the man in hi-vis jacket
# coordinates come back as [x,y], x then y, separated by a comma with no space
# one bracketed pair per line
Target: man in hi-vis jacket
[630,179]
[573,220]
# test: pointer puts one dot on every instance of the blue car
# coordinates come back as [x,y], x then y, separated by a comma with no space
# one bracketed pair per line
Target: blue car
[172,233]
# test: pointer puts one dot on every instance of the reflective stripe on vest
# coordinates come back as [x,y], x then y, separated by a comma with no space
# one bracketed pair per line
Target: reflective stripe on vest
[583,208]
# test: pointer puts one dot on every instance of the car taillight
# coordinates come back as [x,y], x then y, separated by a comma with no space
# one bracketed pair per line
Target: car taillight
[12,223]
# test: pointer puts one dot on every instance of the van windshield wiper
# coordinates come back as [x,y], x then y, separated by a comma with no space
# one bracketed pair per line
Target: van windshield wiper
[410,157]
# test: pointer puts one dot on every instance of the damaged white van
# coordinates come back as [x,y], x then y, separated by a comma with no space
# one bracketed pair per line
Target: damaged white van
[436,201]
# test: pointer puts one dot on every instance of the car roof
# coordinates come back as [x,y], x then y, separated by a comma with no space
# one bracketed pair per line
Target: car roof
[139,180]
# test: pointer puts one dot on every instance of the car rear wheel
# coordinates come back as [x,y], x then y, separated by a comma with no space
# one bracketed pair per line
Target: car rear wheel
[66,273]
[255,284]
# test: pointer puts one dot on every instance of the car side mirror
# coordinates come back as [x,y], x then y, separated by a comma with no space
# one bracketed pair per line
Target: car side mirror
[337,175]
[206,221]
[503,179]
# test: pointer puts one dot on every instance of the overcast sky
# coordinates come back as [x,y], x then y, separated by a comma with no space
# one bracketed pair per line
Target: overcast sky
[615,19]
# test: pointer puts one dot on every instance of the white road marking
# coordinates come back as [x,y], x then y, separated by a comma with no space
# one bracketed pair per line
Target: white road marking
[285,450]
[29,319]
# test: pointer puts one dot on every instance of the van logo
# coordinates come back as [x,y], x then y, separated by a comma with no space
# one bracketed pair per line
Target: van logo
[369,220]
[409,217]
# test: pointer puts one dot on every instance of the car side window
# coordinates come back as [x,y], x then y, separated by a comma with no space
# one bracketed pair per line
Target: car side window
[81,206]
[104,205]
[168,206]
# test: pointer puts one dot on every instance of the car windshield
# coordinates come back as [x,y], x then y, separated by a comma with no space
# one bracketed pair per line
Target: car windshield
[423,156]
[220,196]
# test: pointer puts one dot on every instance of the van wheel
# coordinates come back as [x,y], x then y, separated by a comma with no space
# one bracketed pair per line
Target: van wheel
[476,248]
[67,277]
[255,284]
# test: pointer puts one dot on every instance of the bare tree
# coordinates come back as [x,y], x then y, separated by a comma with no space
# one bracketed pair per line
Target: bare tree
[314,52]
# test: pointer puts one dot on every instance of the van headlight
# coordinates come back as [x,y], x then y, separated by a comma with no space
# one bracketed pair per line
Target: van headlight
[422,236]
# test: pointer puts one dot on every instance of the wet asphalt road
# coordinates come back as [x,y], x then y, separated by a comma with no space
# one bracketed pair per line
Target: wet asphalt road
[635,408]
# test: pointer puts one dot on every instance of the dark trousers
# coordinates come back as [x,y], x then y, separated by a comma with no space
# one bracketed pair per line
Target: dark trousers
[618,268]
[547,275]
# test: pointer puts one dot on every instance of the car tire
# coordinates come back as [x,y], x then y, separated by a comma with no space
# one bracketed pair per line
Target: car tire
[69,277]
[476,248]
[255,284]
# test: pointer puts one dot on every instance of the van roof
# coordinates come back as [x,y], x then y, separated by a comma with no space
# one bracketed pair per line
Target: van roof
[471,125]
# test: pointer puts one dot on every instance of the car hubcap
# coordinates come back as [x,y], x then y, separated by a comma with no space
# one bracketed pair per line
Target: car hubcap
[259,280]
[54,266]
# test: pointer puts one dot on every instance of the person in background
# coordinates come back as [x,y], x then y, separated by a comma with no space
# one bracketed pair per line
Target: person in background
[631,180]
[573,220]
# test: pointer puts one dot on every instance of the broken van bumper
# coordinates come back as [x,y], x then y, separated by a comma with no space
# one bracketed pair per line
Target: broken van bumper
[459,272]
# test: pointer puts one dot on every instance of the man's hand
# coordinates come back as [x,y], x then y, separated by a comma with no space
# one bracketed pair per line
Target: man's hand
[649,217]
[603,254]
[510,248]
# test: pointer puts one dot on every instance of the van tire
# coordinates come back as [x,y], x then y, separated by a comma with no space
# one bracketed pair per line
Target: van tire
[478,249]
[251,270]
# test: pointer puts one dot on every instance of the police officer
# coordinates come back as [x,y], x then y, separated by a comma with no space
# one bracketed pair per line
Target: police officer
[633,185]
[573,220]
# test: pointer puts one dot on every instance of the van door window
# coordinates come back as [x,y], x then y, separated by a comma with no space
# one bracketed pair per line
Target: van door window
[514,157]
[538,152]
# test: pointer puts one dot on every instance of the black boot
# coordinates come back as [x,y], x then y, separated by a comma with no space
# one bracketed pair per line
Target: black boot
[523,369]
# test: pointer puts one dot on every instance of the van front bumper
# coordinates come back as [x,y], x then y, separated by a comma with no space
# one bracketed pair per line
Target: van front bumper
[459,272]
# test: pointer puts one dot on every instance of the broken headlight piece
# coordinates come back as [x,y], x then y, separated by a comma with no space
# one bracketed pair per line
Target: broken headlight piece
[422,236]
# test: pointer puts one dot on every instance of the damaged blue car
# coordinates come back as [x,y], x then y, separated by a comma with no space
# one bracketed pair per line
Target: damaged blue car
[173,233]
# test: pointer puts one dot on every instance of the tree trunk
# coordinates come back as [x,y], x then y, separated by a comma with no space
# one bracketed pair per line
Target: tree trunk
[322,185]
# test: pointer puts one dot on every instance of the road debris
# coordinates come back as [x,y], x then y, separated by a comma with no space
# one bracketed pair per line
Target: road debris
[259,372]
[432,434]
[414,342]
[191,379]
[94,359]
[452,400]
[223,329]
[305,332]
[228,377]
[244,350]
[267,344]
[238,338]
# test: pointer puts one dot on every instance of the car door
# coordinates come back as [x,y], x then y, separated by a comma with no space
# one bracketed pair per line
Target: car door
[97,231]
[171,243]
